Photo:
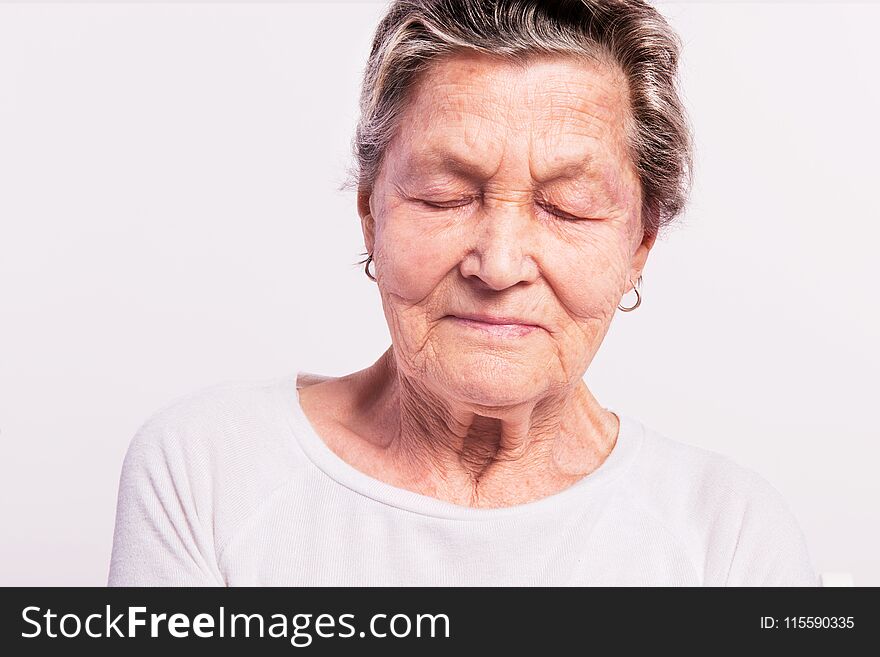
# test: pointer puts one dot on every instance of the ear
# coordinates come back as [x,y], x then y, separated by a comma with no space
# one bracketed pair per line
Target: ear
[368,223]
[641,256]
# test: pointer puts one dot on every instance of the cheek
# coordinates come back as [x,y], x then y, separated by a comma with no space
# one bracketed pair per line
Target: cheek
[583,268]
[415,255]
[585,272]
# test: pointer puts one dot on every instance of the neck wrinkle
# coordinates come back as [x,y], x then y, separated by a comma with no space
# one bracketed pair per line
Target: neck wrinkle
[457,453]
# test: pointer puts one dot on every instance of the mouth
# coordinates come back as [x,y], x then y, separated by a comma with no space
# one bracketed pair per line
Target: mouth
[502,327]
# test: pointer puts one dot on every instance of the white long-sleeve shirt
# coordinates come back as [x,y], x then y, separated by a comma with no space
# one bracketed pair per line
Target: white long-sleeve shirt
[231,485]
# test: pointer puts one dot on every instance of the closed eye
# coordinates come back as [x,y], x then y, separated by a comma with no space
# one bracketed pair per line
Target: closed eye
[556,212]
[456,203]
[460,203]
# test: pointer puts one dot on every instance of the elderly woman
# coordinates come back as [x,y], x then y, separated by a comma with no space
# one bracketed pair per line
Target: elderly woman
[516,160]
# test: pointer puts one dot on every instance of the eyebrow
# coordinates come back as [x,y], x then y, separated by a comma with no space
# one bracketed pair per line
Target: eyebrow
[475,172]
[441,159]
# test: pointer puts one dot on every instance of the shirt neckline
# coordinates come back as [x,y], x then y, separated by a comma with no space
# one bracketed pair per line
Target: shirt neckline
[629,440]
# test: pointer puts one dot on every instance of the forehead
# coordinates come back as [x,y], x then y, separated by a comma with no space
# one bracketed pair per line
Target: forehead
[555,114]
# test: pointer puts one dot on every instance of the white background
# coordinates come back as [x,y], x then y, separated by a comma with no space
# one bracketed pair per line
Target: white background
[169,219]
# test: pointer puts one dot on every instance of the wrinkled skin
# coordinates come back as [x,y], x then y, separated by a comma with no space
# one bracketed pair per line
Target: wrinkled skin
[449,411]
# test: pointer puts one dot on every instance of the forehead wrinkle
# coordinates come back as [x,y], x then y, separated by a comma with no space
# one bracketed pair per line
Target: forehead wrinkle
[442,123]
[588,110]
[567,118]
[443,156]
[584,162]
[556,114]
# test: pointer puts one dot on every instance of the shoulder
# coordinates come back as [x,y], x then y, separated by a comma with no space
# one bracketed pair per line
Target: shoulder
[740,526]
[702,476]
[217,452]
[217,419]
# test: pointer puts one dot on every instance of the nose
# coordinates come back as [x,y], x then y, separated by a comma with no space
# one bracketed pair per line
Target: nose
[502,252]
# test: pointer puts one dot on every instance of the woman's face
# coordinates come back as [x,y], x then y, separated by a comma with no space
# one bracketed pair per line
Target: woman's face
[507,193]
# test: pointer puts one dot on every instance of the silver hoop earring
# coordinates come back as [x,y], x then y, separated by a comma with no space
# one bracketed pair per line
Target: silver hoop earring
[367,267]
[638,297]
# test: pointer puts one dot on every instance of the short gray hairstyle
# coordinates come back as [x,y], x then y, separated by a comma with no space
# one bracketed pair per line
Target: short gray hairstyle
[628,34]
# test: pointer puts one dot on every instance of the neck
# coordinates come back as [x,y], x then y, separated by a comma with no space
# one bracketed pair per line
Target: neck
[486,456]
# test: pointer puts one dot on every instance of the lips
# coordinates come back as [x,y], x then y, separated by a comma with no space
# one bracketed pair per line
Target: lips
[494,326]
[493,319]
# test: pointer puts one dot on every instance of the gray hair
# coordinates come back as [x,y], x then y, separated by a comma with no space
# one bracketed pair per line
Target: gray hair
[628,34]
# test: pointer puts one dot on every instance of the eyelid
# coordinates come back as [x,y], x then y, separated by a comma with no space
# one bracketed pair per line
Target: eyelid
[448,205]
[462,202]
[552,209]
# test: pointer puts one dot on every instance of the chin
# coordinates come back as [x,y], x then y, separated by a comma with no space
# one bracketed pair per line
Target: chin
[493,380]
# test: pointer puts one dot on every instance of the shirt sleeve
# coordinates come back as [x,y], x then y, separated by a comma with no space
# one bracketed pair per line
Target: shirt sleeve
[163,534]
[771,549]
